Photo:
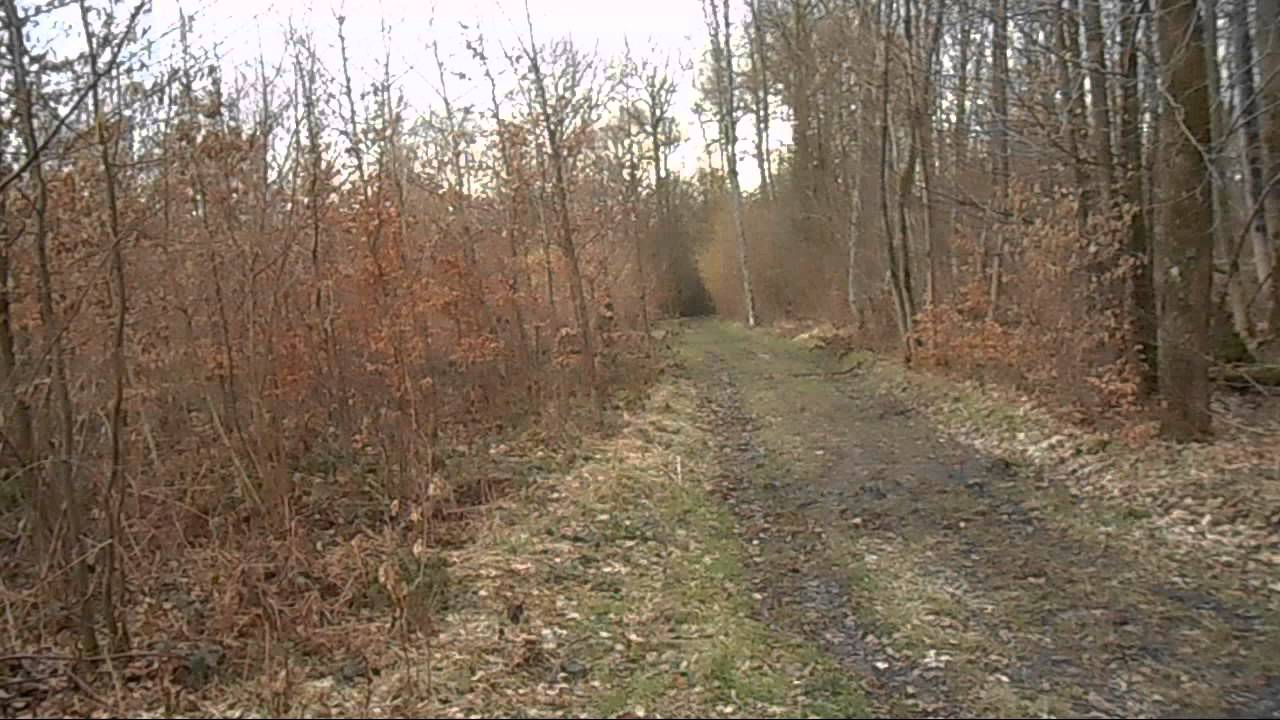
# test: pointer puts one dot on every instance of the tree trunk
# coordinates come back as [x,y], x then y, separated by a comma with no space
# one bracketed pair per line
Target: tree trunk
[568,245]
[925,126]
[543,231]
[722,51]
[960,131]
[1223,235]
[803,173]
[1184,249]
[853,185]
[1254,179]
[1068,47]
[113,585]
[1000,91]
[1099,97]
[900,302]
[64,493]
[760,67]
[1268,25]
[907,172]
[1140,282]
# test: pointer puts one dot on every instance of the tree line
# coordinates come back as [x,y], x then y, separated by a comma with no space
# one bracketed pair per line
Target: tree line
[1072,195]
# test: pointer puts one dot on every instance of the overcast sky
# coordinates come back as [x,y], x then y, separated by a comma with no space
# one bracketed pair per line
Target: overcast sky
[665,28]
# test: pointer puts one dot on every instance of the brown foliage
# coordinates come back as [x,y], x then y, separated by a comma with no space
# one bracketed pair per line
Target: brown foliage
[1048,342]
[318,370]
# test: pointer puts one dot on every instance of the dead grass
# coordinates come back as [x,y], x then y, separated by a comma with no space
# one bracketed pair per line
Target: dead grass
[1218,502]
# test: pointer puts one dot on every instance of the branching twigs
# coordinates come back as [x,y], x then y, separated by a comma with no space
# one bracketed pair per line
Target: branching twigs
[42,145]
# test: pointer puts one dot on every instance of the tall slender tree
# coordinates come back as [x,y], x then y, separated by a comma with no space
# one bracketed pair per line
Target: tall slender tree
[720,25]
[1184,245]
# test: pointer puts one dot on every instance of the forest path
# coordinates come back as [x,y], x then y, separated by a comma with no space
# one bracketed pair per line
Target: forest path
[943,576]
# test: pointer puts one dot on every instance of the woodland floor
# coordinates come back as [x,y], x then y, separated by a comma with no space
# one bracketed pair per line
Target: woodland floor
[778,532]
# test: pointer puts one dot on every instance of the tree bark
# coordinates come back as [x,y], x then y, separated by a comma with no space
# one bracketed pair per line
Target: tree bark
[1184,249]
[906,173]
[1099,98]
[925,128]
[1268,25]
[113,585]
[62,442]
[1255,178]
[852,169]
[1000,133]
[1139,282]
[900,302]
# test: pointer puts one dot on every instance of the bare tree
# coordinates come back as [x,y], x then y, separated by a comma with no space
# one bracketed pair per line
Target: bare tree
[566,103]
[1100,101]
[1267,22]
[61,491]
[1250,123]
[1184,247]
[117,627]
[1000,131]
[1138,247]
[719,23]
[760,98]
[904,312]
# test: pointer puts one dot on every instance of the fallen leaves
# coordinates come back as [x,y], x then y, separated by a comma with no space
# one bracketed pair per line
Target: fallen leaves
[1217,500]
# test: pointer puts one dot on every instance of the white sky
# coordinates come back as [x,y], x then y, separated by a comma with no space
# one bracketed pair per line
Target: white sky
[661,28]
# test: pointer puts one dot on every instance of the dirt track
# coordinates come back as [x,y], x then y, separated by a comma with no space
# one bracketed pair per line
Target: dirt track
[941,575]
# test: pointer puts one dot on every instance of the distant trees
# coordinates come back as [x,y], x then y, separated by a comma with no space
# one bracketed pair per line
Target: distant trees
[720,26]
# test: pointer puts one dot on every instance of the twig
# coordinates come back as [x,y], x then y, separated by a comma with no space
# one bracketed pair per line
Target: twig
[75,106]
[1256,385]
[1226,418]
[54,657]
[836,373]
[88,691]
